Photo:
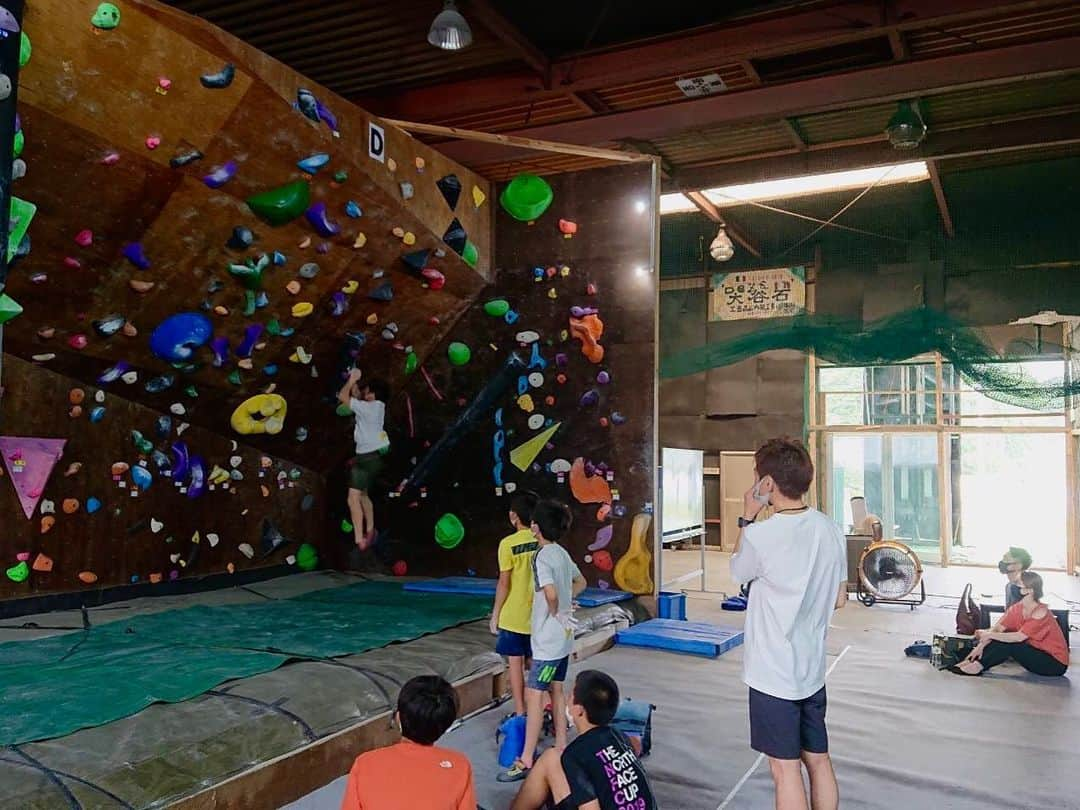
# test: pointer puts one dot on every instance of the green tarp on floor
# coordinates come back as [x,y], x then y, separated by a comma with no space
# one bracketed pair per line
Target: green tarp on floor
[54,686]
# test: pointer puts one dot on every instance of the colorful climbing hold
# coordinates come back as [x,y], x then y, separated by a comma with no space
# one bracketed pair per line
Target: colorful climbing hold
[320,220]
[282,204]
[19,572]
[526,197]
[70,506]
[220,80]
[24,49]
[42,563]
[497,307]
[459,353]
[567,228]
[307,558]
[400,568]
[352,209]
[106,17]
[302,309]
[221,175]
[449,531]
[88,577]
[312,163]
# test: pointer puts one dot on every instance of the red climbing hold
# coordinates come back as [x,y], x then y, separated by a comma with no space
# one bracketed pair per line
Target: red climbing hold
[400,568]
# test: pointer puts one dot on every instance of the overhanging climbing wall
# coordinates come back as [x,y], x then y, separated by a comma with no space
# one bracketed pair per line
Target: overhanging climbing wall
[565,376]
[179,172]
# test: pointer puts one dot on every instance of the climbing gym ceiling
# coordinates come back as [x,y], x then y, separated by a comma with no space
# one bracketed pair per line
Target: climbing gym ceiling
[723,93]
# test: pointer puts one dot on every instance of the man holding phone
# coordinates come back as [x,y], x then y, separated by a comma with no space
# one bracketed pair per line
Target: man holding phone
[797,562]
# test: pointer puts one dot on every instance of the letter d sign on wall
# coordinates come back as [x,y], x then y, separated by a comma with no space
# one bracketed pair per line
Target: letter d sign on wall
[376,142]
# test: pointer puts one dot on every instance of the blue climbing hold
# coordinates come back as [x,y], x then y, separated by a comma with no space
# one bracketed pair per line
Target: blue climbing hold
[510,317]
[536,361]
[279,258]
[312,163]
[384,292]
[270,370]
[353,210]
[523,386]
[97,414]
[177,337]
[92,505]
[142,477]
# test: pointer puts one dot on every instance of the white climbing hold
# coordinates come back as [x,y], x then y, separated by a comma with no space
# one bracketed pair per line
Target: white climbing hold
[156,525]
[536,379]
[536,421]
[174,558]
[130,377]
[48,507]
[510,487]
[212,539]
[291,559]
[560,466]
[99,397]
[246,550]
[527,337]
[235,461]
[181,428]
[177,409]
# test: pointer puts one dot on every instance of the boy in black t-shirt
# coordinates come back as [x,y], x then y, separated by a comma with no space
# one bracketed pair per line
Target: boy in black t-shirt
[599,770]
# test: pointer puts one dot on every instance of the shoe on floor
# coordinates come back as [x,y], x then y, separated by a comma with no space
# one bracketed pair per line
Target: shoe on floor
[516,773]
[955,668]
[920,649]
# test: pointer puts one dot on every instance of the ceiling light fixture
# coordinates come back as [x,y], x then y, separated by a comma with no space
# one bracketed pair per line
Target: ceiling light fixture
[721,248]
[906,129]
[449,30]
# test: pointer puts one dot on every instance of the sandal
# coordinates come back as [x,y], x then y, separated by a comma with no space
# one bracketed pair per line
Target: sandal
[516,773]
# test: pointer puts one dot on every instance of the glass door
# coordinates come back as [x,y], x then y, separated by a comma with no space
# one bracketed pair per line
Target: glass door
[897,474]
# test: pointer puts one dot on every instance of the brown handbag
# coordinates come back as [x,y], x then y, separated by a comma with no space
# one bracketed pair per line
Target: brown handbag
[968,615]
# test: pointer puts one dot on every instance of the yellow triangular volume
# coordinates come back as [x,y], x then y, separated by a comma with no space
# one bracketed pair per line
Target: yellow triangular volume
[525,454]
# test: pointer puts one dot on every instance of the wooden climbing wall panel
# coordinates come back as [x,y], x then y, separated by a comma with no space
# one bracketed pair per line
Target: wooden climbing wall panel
[612,240]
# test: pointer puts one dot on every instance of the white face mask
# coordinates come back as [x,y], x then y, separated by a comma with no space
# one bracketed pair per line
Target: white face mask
[569,717]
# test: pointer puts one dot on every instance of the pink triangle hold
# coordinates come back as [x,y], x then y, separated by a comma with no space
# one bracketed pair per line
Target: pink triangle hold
[30,462]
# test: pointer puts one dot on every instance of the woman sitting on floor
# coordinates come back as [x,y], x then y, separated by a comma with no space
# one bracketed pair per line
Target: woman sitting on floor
[1028,633]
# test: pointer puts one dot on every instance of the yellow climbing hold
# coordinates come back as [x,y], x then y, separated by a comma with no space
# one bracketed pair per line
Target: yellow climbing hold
[350,287]
[399,232]
[361,240]
[525,454]
[552,294]
[478,196]
[633,572]
[391,164]
[409,238]
[525,402]
[262,413]
[420,164]
[302,310]
[372,319]
[564,271]
[301,355]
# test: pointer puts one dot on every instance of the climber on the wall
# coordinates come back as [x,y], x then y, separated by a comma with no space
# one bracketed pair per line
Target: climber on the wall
[368,404]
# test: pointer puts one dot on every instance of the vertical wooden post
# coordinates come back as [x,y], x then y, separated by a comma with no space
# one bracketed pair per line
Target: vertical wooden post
[816,493]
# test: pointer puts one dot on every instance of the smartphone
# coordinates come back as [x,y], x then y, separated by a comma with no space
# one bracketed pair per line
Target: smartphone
[759,496]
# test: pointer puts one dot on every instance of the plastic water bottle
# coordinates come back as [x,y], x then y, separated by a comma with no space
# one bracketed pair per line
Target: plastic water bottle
[512,730]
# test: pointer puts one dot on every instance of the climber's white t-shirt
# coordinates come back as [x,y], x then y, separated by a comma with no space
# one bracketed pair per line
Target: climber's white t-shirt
[796,562]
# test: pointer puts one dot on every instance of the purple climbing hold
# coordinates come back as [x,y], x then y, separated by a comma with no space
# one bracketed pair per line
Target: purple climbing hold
[324,247]
[603,584]
[251,336]
[197,480]
[339,302]
[603,538]
[180,463]
[221,175]
[320,221]
[581,312]
[133,252]
[220,348]
[590,398]
[327,116]
[590,468]
[617,418]
[384,292]
[113,373]
[561,360]
[619,510]
[603,378]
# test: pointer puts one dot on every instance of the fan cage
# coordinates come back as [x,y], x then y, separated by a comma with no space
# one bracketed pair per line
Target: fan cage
[902,557]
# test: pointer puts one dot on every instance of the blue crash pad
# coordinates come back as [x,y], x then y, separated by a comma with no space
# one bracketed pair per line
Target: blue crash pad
[478,586]
[695,638]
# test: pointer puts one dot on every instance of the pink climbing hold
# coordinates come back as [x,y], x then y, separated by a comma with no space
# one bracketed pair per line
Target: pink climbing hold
[153,142]
[72,263]
[77,341]
[84,238]
[111,158]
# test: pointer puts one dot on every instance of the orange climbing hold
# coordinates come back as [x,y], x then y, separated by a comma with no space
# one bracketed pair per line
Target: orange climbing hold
[568,228]
[588,330]
[155,578]
[43,563]
[71,506]
[89,577]
[47,523]
[76,396]
[588,488]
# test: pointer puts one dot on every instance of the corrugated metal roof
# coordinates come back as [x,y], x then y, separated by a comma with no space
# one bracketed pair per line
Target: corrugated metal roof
[541,111]
[1001,101]
[546,164]
[1005,29]
[717,143]
[843,125]
[662,90]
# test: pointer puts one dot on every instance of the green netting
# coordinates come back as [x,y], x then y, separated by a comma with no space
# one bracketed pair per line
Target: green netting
[54,686]
[889,340]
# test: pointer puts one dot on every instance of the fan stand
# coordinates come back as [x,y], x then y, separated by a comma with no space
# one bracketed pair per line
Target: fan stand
[869,599]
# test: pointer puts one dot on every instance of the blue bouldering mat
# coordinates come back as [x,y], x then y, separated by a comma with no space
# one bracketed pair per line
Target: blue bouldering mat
[479,586]
[695,638]
[53,686]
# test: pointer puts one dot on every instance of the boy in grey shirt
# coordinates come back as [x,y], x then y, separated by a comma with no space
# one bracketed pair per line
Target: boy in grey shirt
[556,581]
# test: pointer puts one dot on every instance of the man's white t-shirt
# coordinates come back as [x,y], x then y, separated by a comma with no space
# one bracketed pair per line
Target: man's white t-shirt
[553,636]
[796,562]
[368,434]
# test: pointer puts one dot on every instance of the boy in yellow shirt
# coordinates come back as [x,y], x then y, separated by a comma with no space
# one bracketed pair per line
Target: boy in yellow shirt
[512,615]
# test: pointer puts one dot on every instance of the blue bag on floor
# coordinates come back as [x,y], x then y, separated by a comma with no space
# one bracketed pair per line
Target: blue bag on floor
[512,731]
[634,719]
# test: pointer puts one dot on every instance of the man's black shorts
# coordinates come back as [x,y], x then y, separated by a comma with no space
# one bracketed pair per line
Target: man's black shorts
[783,729]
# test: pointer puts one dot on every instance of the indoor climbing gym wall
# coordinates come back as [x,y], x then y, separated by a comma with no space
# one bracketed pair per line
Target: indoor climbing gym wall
[545,385]
[203,242]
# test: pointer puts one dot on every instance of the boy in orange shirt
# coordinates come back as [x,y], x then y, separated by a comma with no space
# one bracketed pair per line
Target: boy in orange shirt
[415,774]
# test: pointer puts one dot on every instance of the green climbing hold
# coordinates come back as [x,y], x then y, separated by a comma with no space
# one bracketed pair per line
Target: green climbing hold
[340,176]
[497,307]
[234,378]
[20,141]
[274,327]
[106,17]
[411,362]
[343,410]
[471,255]
[346,526]
[282,204]
[191,391]
[19,573]
[22,212]
[9,308]
[459,353]
[307,558]
[24,49]
[142,444]
[526,197]
[449,532]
